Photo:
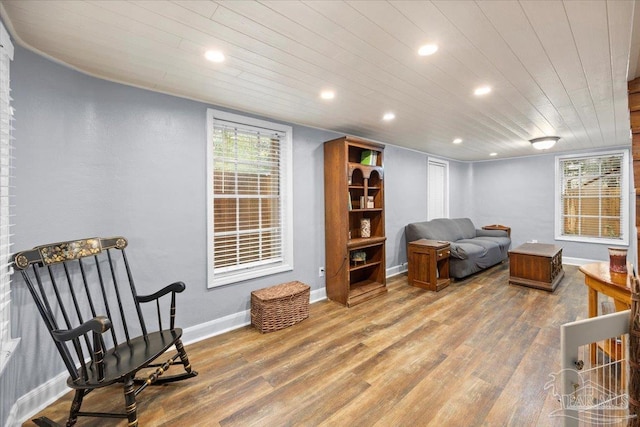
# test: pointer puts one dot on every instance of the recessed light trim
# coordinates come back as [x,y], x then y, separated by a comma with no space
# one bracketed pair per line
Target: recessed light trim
[327,94]
[428,49]
[482,90]
[214,56]
[493,154]
[457,141]
[388,116]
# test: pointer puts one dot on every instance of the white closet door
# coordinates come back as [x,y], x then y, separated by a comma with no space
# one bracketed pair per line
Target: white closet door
[437,189]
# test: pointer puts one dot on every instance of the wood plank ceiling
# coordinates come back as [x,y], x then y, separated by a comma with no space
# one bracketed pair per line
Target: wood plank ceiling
[554,67]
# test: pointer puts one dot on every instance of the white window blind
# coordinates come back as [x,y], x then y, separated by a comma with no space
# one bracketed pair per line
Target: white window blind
[437,189]
[6,176]
[593,199]
[249,191]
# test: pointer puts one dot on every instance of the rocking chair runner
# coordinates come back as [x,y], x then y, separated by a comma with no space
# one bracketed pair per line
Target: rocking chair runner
[80,290]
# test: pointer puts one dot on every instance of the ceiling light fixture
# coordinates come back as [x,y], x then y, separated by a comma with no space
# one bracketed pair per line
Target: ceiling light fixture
[493,154]
[428,49]
[388,116]
[482,90]
[214,55]
[457,141]
[327,94]
[545,142]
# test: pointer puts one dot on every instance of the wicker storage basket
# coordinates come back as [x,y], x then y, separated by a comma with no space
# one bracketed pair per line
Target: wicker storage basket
[279,306]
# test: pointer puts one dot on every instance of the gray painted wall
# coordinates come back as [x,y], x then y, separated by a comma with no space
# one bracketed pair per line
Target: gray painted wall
[405,176]
[406,195]
[100,158]
[96,158]
[461,190]
[520,193]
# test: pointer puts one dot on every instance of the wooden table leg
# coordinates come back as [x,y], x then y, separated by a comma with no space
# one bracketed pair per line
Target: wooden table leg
[593,312]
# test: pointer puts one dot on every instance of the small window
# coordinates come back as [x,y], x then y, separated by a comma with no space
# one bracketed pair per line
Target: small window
[592,202]
[249,198]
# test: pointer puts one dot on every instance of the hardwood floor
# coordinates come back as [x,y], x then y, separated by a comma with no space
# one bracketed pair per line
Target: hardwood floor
[477,353]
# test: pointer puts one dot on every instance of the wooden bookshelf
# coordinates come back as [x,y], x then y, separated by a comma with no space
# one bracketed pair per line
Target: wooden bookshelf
[354,191]
[634,113]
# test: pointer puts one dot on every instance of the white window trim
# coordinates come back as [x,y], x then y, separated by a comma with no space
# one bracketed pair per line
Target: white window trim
[445,164]
[7,344]
[287,201]
[624,191]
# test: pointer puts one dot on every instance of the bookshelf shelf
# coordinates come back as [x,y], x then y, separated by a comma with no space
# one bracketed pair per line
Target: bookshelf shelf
[364,242]
[363,266]
[366,210]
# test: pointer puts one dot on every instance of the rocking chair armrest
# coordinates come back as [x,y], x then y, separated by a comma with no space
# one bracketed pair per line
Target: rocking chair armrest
[174,287]
[98,325]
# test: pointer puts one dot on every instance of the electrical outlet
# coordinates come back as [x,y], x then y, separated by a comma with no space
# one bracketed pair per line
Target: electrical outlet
[321,272]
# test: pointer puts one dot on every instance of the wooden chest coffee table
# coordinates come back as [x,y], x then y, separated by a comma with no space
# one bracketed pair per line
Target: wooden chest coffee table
[536,265]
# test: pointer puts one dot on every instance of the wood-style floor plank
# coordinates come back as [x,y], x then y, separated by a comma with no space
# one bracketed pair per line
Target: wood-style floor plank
[477,353]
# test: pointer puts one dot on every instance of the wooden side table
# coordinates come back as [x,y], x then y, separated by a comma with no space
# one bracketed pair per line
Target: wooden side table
[600,279]
[429,264]
[498,227]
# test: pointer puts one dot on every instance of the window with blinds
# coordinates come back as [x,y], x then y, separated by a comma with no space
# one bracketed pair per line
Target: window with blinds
[6,173]
[592,203]
[249,198]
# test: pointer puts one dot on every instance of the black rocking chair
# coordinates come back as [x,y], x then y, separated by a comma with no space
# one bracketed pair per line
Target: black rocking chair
[84,289]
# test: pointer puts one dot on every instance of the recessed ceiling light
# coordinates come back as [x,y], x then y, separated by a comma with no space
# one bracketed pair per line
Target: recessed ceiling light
[214,55]
[482,90]
[428,49]
[457,141]
[388,116]
[493,154]
[327,94]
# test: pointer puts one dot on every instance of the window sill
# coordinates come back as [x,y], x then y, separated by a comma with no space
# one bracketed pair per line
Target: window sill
[610,242]
[6,352]
[255,274]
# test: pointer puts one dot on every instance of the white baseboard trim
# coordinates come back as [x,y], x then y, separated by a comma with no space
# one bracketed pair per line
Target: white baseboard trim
[395,270]
[38,399]
[578,261]
[45,394]
[7,351]
[12,420]
[228,323]
[215,327]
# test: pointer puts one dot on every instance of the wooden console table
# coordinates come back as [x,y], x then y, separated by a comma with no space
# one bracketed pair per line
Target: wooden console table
[536,265]
[429,264]
[600,279]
